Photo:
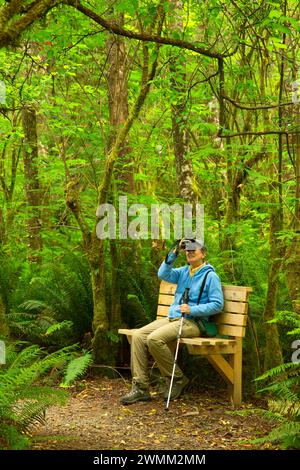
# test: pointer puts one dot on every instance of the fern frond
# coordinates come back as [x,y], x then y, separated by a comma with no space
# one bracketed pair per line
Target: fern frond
[287,389]
[281,369]
[290,409]
[76,368]
[11,438]
[23,403]
[31,411]
[35,306]
[66,324]
[288,434]
[26,356]
[295,331]
[286,317]
[20,316]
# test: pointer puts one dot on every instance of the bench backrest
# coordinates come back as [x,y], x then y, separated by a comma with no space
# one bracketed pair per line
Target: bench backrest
[233,319]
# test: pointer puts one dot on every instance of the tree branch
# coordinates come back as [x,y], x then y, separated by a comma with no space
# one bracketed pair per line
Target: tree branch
[115,29]
[254,108]
[11,30]
[271,132]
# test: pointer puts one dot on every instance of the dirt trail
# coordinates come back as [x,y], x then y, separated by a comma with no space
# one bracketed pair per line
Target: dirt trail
[93,419]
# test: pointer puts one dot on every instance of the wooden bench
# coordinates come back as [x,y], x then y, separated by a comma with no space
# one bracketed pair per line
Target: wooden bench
[231,323]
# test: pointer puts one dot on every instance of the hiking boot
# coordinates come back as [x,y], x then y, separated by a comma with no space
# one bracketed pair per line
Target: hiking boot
[177,388]
[163,386]
[135,394]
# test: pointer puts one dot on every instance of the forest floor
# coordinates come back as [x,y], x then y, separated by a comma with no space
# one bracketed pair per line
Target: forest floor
[94,419]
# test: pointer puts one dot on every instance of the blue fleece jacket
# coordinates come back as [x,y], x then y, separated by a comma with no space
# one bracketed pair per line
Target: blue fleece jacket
[212,300]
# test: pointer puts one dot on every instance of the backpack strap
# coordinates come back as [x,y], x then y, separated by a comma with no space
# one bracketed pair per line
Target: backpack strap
[203,285]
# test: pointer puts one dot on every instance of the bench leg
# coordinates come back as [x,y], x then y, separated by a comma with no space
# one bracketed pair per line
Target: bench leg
[236,394]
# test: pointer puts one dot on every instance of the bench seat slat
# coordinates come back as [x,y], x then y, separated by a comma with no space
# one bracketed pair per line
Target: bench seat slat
[212,341]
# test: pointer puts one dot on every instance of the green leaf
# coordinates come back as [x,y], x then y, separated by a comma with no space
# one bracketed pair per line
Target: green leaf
[58,326]
[127,6]
[76,368]
[274,14]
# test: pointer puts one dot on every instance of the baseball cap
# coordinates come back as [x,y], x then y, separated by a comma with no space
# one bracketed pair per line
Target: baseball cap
[193,244]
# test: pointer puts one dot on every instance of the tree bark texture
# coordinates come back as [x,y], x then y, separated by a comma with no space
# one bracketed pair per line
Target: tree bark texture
[292,258]
[32,186]
[183,164]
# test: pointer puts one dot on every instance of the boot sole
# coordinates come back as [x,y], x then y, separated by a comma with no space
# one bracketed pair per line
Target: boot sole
[135,401]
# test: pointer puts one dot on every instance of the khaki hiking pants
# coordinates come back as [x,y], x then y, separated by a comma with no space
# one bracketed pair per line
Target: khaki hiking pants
[157,338]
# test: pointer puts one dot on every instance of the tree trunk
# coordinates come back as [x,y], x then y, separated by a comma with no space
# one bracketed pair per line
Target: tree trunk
[17,16]
[273,352]
[10,153]
[228,236]
[32,186]
[118,114]
[118,105]
[292,258]
[93,247]
[4,330]
[103,352]
[183,164]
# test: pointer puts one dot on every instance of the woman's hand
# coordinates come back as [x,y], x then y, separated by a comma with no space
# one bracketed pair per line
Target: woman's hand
[185,308]
[178,247]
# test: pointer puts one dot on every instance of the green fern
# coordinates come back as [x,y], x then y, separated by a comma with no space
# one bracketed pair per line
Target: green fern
[286,317]
[76,368]
[59,326]
[23,400]
[279,370]
[284,399]
[11,438]
[56,296]
[287,435]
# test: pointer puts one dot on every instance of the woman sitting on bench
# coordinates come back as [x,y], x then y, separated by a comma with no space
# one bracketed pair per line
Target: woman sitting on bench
[205,298]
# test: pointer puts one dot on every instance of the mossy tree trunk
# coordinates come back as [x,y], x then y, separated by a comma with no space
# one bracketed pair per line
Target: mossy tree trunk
[94,247]
[17,16]
[32,185]
[179,111]
[273,351]
[118,114]
[10,156]
[292,258]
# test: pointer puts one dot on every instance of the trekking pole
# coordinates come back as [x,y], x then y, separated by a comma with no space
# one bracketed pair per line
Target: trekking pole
[184,300]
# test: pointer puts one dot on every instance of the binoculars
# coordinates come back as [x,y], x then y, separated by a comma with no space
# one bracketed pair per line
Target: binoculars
[184,243]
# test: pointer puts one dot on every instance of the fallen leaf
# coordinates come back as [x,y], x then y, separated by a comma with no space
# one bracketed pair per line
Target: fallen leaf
[191,413]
